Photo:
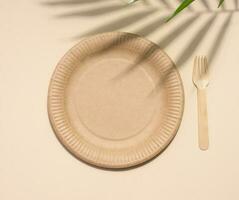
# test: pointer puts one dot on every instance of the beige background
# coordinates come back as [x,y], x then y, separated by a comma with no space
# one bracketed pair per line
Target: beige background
[34,165]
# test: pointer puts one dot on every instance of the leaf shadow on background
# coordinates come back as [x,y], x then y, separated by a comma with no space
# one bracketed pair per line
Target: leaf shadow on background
[166,4]
[119,23]
[95,11]
[219,39]
[151,26]
[205,4]
[71,2]
[236,4]
[195,41]
[164,42]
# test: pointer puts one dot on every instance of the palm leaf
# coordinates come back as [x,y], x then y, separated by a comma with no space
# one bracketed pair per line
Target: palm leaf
[220,3]
[182,6]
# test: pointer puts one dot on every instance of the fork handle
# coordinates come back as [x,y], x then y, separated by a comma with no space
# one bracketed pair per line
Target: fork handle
[203,139]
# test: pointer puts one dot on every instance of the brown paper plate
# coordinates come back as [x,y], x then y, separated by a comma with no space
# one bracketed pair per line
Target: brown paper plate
[115,100]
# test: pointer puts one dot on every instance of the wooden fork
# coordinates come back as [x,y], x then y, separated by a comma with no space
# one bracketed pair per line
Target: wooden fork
[201,81]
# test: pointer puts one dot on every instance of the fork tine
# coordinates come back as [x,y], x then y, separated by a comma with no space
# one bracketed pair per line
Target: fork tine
[195,68]
[197,62]
[201,66]
[206,64]
[206,68]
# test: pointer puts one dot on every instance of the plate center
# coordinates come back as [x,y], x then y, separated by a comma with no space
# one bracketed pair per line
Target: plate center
[113,102]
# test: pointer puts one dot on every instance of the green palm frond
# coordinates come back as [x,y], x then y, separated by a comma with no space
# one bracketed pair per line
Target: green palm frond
[182,6]
[220,3]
